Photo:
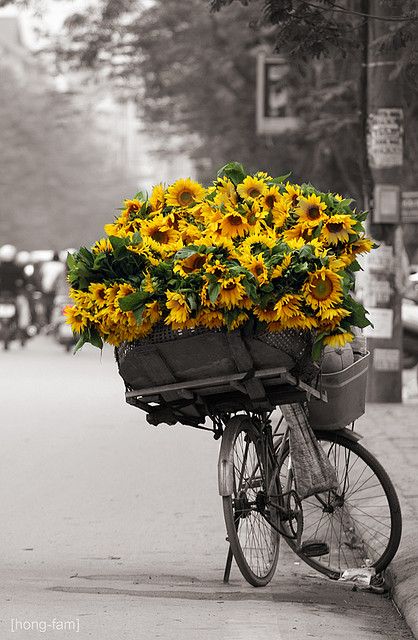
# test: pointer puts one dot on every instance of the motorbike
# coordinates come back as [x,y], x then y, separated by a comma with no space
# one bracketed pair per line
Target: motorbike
[59,328]
[9,329]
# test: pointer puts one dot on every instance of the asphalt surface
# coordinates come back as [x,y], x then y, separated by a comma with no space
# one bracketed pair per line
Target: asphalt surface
[114,529]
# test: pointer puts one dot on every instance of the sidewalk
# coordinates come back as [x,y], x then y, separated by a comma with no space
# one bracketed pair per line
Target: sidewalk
[391,432]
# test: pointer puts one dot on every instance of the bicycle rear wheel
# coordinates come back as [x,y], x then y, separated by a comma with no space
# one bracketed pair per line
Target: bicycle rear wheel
[360,522]
[250,510]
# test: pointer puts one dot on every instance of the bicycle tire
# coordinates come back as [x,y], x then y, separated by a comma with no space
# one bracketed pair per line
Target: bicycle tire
[337,446]
[254,542]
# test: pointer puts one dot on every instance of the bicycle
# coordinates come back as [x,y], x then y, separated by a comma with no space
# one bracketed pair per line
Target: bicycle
[356,525]
[359,524]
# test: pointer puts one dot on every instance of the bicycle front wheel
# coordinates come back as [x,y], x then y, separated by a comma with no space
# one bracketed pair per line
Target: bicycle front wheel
[360,523]
[251,511]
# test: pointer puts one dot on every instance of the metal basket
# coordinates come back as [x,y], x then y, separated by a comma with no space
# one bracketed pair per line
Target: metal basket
[346,391]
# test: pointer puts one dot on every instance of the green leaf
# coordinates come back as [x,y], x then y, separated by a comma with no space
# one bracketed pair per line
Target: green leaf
[117,243]
[132,301]
[358,314]
[234,171]
[317,350]
[191,299]
[213,291]
[186,252]
[280,179]
[83,338]
[95,339]
[136,239]
[138,314]
[301,267]
[71,262]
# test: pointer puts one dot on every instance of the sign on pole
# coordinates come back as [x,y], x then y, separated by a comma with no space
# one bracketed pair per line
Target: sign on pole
[272,96]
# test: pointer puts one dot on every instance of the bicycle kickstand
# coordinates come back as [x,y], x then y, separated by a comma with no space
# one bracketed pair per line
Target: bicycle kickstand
[228,565]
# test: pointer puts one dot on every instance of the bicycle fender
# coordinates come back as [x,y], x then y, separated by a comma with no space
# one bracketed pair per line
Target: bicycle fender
[347,433]
[226,457]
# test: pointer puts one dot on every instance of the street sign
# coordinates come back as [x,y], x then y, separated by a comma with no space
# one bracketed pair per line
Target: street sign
[385,138]
[409,206]
[386,203]
[272,104]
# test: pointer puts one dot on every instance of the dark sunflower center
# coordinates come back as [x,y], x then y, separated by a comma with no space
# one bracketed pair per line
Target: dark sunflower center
[254,193]
[295,198]
[195,263]
[335,227]
[185,197]
[270,200]
[258,270]
[160,236]
[236,221]
[230,286]
[313,213]
[322,289]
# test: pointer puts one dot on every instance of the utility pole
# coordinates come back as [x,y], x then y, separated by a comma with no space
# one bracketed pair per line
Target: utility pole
[382,289]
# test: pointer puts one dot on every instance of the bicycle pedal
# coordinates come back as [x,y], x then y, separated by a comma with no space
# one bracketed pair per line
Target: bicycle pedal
[313,548]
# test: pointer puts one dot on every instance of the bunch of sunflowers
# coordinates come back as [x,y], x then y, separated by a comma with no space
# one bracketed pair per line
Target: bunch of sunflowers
[248,247]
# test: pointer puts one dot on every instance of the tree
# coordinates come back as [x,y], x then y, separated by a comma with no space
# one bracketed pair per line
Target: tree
[57,187]
[194,74]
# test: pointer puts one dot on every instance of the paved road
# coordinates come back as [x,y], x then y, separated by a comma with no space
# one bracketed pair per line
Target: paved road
[115,527]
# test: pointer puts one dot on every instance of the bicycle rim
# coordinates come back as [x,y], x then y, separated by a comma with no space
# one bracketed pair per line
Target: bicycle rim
[361,521]
[248,512]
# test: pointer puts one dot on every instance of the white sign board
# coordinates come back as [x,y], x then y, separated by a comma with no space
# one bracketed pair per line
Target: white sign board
[385,138]
[382,320]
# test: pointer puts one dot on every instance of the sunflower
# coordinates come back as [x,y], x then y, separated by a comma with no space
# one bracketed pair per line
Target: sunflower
[289,306]
[270,314]
[189,232]
[179,310]
[336,340]
[119,229]
[254,215]
[280,213]
[238,321]
[301,321]
[232,293]
[310,210]
[323,289]
[98,291]
[338,228]
[256,266]
[361,245]
[102,246]
[251,188]
[189,265]
[132,207]
[225,193]
[278,270]
[295,243]
[233,225]
[152,312]
[333,316]
[258,242]
[292,193]
[184,192]
[77,318]
[271,197]
[210,318]
[216,239]
[300,231]
[157,197]
[157,234]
